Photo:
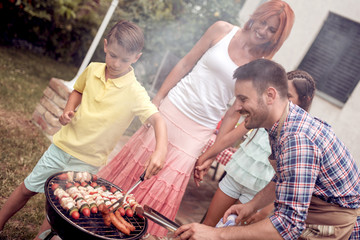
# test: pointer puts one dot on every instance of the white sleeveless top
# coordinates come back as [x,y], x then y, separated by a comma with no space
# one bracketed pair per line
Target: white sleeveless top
[204,93]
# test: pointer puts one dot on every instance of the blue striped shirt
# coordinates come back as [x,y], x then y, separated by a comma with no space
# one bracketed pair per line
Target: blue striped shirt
[311,161]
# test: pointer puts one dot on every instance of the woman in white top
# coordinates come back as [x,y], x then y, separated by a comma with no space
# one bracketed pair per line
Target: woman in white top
[192,100]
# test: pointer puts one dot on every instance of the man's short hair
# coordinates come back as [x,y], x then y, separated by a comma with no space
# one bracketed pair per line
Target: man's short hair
[264,73]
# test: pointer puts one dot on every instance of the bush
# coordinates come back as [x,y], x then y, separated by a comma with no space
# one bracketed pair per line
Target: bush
[174,25]
[62,29]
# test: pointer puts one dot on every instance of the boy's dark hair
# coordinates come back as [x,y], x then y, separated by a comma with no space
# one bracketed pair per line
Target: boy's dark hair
[128,35]
[264,73]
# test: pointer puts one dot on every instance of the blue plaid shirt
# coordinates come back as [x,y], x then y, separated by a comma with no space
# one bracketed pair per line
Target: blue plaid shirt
[311,161]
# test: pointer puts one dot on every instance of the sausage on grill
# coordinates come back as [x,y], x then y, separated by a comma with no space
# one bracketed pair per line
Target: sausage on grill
[116,222]
[123,221]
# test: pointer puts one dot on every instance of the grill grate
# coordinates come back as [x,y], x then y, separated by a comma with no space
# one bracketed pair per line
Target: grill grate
[94,224]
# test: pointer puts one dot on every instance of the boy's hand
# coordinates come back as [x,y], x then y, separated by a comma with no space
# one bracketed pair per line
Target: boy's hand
[157,159]
[66,117]
[154,164]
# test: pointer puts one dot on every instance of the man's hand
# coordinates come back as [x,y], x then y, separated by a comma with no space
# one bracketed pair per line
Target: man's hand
[66,117]
[243,212]
[197,231]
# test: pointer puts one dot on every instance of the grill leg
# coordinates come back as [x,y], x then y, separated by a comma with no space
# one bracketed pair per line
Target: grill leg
[48,235]
[51,234]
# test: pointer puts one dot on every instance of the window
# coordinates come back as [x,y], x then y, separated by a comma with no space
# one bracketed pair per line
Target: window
[334,59]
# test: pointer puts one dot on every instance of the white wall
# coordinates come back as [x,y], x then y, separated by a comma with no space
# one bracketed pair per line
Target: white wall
[309,18]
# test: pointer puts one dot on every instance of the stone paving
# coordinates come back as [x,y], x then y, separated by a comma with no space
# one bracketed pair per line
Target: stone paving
[194,203]
[196,200]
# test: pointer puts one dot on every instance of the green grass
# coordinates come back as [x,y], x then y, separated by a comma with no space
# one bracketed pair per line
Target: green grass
[23,78]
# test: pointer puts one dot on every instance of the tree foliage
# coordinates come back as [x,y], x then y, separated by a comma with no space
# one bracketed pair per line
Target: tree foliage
[64,29]
[174,25]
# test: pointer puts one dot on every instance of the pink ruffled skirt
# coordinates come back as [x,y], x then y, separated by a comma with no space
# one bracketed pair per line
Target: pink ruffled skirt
[164,191]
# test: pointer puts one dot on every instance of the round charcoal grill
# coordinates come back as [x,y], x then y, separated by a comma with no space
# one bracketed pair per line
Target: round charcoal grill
[89,228]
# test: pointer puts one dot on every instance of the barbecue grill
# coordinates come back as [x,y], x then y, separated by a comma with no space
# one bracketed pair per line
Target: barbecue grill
[89,228]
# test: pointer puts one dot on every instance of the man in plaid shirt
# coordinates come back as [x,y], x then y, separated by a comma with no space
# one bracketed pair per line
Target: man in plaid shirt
[316,189]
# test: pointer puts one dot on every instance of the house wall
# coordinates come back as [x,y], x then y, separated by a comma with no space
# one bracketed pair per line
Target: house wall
[310,16]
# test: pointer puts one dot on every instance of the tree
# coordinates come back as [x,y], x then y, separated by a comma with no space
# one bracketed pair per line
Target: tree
[174,25]
[62,29]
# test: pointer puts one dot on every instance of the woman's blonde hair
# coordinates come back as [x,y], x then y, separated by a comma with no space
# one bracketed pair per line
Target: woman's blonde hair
[286,19]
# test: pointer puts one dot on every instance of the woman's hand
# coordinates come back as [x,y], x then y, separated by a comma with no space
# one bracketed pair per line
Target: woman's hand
[201,168]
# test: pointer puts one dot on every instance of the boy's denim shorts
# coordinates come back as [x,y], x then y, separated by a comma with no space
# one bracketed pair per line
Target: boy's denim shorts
[54,160]
[233,189]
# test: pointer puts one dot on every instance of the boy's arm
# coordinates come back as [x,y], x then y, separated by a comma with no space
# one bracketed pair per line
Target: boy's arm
[157,158]
[69,110]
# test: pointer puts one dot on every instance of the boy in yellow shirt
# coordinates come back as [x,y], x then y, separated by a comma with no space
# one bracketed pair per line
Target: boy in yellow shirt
[110,98]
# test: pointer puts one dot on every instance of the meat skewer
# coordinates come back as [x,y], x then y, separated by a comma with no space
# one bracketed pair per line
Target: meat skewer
[79,177]
[82,192]
[66,201]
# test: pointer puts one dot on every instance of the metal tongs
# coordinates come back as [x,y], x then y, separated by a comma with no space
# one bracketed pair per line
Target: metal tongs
[157,217]
[120,202]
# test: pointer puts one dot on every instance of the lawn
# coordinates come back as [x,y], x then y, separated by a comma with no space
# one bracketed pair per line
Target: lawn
[23,78]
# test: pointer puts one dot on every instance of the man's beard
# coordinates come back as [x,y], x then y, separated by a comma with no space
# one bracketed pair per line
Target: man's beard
[257,119]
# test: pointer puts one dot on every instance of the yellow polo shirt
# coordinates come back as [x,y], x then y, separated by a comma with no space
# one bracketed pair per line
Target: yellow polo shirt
[105,112]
